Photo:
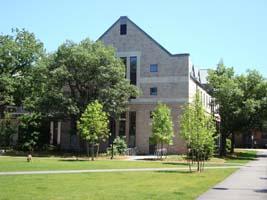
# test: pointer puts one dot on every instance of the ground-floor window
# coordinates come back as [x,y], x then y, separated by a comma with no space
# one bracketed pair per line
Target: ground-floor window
[132,128]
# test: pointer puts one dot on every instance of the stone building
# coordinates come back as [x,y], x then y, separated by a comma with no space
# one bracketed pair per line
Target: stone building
[161,77]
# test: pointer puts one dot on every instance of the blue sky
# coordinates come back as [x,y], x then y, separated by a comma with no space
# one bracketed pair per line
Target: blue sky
[234,30]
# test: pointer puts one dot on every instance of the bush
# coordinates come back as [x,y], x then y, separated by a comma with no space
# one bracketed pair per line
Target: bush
[119,146]
[29,131]
[228,145]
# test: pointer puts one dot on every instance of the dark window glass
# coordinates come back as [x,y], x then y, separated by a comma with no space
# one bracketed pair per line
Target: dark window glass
[133,68]
[122,124]
[132,128]
[153,91]
[123,29]
[153,68]
[124,61]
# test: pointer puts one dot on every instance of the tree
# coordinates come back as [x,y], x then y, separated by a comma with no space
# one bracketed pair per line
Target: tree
[198,130]
[241,100]
[8,127]
[93,125]
[227,94]
[29,131]
[18,54]
[162,126]
[78,74]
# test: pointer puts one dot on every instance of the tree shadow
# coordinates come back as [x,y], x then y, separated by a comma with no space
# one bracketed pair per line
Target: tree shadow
[242,156]
[176,172]
[73,160]
[261,191]
[175,163]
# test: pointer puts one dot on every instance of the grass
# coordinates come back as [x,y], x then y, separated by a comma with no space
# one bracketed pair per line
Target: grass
[241,156]
[118,185]
[12,163]
[131,185]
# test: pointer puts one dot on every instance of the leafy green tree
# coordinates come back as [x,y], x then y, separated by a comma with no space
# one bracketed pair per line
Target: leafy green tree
[93,125]
[18,54]
[198,130]
[241,100]
[8,127]
[77,74]
[162,126]
[29,131]
[252,106]
[227,94]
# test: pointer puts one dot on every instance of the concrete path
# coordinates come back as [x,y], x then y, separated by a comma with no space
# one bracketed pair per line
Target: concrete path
[248,183]
[108,170]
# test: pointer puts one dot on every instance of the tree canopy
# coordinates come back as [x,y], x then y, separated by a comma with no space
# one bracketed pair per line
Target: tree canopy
[241,99]
[93,124]
[198,129]
[162,126]
[19,53]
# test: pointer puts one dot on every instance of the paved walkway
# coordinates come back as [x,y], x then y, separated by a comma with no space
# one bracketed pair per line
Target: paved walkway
[108,170]
[248,183]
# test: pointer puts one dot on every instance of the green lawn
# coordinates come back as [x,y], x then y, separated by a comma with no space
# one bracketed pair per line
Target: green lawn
[123,185]
[11,163]
[116,185]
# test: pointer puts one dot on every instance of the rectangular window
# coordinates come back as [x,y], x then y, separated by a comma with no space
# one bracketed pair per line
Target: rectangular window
[124,61]
[123,29]
[153,68]
[122,125]
[153,91]
[132,128]
[133,69]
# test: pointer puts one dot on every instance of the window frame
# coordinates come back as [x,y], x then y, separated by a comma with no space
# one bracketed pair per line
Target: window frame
[155,93]
[153,68]
[123,29]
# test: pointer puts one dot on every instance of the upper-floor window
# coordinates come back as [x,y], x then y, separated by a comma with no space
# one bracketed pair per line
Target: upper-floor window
[154,68]
[133,69]
[124,61]
[123,29]
[153,91]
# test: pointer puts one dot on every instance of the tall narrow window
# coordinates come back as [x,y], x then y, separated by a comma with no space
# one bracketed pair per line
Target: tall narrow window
[123,29]
[132,128]
[133,69]
[122,125]
[124,61]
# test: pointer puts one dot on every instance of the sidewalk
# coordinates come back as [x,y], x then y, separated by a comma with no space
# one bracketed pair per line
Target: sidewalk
[248,183]
[108,170]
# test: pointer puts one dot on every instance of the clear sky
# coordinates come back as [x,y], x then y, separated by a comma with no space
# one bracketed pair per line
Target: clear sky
[234,30]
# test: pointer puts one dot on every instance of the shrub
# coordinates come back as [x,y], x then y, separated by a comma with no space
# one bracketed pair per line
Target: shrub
[119,146]
[228,145]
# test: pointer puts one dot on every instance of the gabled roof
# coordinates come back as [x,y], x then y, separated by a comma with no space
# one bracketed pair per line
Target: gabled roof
[125,18]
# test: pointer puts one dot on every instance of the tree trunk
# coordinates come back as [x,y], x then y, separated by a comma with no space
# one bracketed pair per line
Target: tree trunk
[223,145]
[198,164]
[189,161]
[97,151]
[232,143]
[93,151]
[161,156]
[87,149]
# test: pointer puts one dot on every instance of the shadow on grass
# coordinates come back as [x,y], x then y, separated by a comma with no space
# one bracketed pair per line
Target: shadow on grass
[73,160]
[249,156]
[175,163]
[176,172]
